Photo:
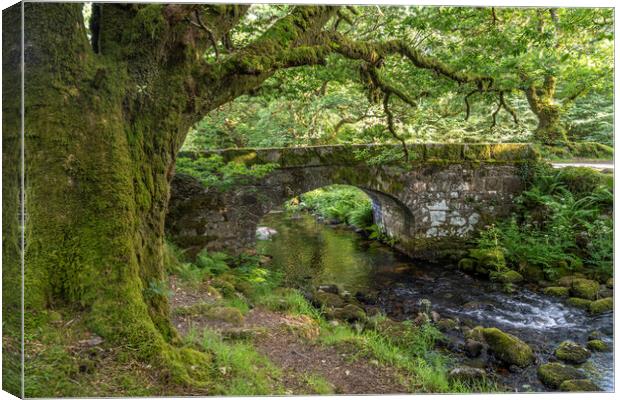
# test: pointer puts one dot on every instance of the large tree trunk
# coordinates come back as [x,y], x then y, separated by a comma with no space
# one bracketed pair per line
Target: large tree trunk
[104,120]
[548,112]
[100,147]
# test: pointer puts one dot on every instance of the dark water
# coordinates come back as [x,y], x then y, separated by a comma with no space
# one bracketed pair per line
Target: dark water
[310,253]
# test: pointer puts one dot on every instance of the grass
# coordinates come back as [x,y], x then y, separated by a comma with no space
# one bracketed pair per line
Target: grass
[239,369]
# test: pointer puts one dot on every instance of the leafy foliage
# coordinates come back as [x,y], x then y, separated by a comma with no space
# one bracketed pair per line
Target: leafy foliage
[563,224]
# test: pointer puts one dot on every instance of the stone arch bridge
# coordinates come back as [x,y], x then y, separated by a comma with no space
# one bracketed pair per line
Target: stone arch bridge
[429,205]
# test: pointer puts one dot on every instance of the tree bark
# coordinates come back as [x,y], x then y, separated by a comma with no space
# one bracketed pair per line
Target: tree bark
[104,120]
[541,101]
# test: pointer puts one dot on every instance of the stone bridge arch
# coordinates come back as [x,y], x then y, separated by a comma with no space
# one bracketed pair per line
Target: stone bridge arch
[430,205]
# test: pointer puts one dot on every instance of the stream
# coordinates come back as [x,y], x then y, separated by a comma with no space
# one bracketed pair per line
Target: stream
[309,253]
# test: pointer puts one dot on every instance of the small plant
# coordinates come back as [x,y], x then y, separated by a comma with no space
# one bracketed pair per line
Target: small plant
[157,289]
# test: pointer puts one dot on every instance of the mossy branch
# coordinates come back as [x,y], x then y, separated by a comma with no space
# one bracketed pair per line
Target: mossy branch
[391,126]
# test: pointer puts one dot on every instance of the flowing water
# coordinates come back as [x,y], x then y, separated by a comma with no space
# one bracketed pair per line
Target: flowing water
[310,253]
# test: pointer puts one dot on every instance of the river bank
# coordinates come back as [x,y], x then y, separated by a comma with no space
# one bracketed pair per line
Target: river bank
[397,285]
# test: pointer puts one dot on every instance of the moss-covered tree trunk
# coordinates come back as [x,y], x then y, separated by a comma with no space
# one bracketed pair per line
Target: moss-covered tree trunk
[102,131]
[104,119]
[548,112]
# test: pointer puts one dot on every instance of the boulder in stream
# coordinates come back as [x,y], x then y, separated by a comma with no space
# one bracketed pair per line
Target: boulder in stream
[553,374]
[602,305]
[579,303]
[558,291]
[579,385]
[584,288]
[509,276]
[508,348]
[597,345]
[572,352]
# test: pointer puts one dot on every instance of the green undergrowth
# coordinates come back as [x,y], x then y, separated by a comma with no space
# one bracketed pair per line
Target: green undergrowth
[562,225]
[411,350]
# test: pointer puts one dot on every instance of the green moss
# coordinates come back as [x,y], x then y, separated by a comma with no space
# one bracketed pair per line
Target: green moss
[512,152]
[488,260]
[328,300]
[602,305]
[477,152]
[349,312]
[227,314]
[582,181]
[553,374]
[579,385]
[598,345]
[579,302]
[508,348]
[509,276]
[558,291]
[572,352]
[467,264]
[584,288]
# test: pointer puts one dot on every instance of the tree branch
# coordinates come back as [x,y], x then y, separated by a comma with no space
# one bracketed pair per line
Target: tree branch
[391,127]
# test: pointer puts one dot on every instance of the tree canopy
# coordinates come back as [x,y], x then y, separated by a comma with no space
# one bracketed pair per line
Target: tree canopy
[441,73]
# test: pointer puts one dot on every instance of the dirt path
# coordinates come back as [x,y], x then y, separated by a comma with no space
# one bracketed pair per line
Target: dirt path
[287,341]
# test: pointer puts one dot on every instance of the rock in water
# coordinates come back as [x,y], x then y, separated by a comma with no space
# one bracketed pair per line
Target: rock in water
[571,352]
[584,288]
[602,305]
[598,345]
[553,374]
[579,385]
[265,233]
[508,348]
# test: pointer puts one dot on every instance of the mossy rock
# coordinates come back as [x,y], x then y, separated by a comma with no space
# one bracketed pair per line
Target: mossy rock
[326,299]
[467,264]
[226,288]
[532,273]
[553,374]
[350,313]
[245,287]
[447,324]
[579,303]
[489,259]
[598,345]
[582,181]
[558,291]
[509,276]
[212,292]
[584,288]
[579,385]
[602,305]
[475,333]
[572,352]
[610,283]
[508,348]
[567,281]
[227,314]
